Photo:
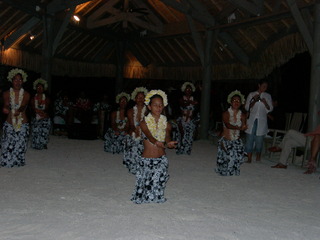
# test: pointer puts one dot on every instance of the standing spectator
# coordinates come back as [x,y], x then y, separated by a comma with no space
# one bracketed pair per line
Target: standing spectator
[258,105]
[16,127]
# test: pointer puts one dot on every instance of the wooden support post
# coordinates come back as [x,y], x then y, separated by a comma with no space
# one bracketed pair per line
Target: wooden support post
[47,46]
[314,100]
[121,45]
[206,84]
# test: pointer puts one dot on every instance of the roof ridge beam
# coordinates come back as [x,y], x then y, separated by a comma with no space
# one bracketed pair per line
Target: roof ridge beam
[302,26]
[206,19]
[252,8]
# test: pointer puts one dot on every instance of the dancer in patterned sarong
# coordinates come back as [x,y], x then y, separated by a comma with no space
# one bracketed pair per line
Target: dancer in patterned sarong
[152,171]
[41,123]
[114,137]
[187,123]
[133,145]
[230,147]
[16,128]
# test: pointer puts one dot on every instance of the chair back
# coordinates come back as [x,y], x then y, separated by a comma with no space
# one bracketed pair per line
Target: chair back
[297,121]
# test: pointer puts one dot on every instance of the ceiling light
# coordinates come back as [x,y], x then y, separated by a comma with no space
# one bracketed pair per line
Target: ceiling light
[76,18]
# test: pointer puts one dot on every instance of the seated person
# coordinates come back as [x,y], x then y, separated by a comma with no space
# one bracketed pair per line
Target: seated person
[291,140]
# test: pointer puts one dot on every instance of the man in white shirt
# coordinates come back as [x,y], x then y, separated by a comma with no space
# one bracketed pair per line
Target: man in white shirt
[258,105]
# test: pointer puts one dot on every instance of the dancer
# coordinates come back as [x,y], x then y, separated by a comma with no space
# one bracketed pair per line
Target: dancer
[41,123]
[230,147]
[119,126]
[133,142]
[187,121]
[258,105]
[16,127]
[152,171]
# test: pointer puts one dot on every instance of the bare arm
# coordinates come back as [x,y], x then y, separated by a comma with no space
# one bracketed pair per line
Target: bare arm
[6,102]
[170,144]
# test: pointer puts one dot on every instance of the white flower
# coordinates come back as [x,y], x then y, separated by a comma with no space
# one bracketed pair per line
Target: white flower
[122,94]
[184,86]
[138,90]
[42,82]
[156,92]
[16,71]
[234,93]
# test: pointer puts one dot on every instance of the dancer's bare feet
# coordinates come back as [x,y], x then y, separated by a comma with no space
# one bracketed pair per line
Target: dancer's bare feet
[279,165]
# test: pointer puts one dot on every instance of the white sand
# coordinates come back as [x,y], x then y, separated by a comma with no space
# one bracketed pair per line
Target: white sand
[75,190]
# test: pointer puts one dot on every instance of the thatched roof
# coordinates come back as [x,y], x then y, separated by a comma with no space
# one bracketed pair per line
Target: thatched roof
[159,39]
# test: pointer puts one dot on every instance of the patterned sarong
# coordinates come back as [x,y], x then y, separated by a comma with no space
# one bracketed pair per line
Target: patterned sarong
[14,145]
[229,157]
[133,148]
[40,130]
[151,178]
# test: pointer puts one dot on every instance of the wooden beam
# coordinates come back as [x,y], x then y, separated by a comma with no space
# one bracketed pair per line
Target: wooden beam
[165,50]
[60,5]
[308,19]
[197,39]
[151,15]
[102,52]
[99,12]
[247,6]
[62,29]
[188,10]
[144,62]
[301,24]
[21,31]
[234,48]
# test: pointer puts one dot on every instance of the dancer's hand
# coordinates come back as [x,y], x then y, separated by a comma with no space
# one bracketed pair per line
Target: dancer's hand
[172,144]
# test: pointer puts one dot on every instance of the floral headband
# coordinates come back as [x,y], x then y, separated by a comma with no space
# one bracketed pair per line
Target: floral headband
[138,90]
[236,93]
[16,71]
[42,82]
[122,94]
[156,92]
[184,86]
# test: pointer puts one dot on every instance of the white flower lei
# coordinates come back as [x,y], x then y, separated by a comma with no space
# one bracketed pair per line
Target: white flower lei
[138,90]
[135,115]
[124,121]
[16,71]
[136,120]
[183,87]
[16,120]
[158,130]
[41,106]
[42,82]
[234,134]
[156,92]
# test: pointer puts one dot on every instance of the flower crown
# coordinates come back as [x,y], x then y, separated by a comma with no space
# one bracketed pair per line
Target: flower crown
[156,92]
[232,94]
[122,94]
[184,86]
[42,82]
[16,71]
[138,90]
